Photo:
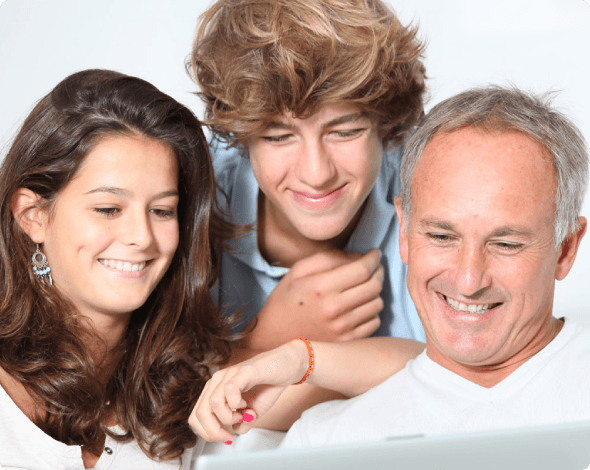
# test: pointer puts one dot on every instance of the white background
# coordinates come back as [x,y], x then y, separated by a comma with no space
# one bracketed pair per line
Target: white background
[539,45]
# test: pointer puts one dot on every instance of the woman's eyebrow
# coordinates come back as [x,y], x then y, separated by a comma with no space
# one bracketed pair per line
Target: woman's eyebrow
[111,190]
[124,192]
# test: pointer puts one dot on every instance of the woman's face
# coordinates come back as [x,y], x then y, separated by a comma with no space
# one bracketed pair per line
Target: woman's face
[113,230]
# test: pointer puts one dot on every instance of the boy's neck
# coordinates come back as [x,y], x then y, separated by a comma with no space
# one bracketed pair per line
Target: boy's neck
[281,245]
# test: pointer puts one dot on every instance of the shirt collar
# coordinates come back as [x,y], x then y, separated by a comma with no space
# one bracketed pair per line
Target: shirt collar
[370,232]
[243,193]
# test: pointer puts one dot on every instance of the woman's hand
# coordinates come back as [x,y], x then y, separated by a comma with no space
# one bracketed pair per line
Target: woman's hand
[235,397]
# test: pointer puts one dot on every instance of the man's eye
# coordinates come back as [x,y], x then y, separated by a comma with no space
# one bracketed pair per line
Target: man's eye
[439,237]
[107,211]
[505,246]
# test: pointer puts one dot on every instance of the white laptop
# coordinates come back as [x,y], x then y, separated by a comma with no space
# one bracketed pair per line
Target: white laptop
[559,447]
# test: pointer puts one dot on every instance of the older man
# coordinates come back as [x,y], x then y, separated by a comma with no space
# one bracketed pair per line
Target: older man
[492,186]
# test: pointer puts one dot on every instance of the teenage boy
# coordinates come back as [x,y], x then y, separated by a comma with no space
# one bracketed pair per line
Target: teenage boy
[308,101]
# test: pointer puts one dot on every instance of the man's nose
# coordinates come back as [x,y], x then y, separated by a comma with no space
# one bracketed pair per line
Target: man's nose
[471,274]
[315,166]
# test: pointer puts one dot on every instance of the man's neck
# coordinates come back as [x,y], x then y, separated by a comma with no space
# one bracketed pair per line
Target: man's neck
[490,375]
[282,245]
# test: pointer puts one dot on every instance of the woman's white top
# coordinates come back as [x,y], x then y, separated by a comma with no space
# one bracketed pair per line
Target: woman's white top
[24,446]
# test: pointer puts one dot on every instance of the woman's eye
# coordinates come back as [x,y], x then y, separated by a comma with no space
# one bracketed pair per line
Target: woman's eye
[107,211]
[163,213]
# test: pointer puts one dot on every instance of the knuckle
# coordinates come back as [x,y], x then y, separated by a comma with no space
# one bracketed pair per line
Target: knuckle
[198,415]
[379,304]
[319,292]
[331,309]
[230,387]
[375,286]
[365,271]
[377,322]
[341,327]
[216,401]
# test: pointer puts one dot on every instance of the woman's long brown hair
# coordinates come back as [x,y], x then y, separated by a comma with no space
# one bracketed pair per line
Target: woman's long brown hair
[173,337]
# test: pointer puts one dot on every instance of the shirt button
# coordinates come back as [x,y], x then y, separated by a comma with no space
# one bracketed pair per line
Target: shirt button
[108,450]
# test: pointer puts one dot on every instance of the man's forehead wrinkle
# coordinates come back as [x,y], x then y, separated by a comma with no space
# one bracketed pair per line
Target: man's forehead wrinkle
[511,230]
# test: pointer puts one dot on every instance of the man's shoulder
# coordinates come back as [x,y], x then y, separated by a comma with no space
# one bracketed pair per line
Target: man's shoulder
[574,346]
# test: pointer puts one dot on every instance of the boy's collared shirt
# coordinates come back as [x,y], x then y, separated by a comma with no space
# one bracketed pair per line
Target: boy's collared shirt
[247,279]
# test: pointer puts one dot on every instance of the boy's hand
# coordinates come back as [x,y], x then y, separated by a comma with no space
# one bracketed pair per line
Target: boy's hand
[330,296]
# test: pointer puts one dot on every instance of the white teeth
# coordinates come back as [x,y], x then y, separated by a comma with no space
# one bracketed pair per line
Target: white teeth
[473,308]
[122,265]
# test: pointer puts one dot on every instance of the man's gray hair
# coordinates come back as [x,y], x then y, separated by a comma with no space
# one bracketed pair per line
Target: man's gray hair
[495,108]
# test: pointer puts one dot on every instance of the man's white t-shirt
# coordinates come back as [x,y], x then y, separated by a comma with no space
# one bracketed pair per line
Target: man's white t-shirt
[425,398]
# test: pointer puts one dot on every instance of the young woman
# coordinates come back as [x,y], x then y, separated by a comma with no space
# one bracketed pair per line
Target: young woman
[110,241]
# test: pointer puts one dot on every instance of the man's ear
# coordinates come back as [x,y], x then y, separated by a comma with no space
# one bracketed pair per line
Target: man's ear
[28,211]
[403,234]
[569,250]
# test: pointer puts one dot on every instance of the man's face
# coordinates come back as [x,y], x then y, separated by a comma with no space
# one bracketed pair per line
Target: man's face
[316,173]
[479,248]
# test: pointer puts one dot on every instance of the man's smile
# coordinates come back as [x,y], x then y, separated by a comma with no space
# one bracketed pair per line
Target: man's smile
[470,308]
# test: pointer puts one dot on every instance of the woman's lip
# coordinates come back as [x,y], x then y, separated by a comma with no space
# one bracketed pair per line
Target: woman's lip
[127,274]
[318,201]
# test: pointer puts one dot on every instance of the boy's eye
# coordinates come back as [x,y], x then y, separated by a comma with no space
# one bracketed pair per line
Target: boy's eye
[348,133]
[276,138]
[107,211]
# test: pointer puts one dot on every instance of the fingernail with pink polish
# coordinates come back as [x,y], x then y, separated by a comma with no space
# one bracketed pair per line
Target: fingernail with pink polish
[248,417]
[229,443]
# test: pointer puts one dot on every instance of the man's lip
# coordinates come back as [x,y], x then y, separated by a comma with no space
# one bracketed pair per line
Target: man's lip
[493,305]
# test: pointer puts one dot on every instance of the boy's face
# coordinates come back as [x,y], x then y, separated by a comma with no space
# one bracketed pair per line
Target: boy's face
[316,173]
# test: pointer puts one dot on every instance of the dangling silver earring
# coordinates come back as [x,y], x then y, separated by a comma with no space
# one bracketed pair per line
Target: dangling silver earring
[40,267]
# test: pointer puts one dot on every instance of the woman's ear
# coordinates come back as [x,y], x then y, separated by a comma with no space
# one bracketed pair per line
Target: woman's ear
[28,211]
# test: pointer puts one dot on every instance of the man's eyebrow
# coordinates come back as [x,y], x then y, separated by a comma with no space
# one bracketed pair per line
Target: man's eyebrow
[511,230]
[123,192]
[499,232]
[437,223]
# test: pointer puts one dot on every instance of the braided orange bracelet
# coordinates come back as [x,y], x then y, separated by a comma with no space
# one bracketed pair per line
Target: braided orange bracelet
[311,359]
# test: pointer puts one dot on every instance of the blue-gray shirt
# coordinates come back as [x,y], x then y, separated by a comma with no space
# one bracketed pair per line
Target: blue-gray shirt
[247,279]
